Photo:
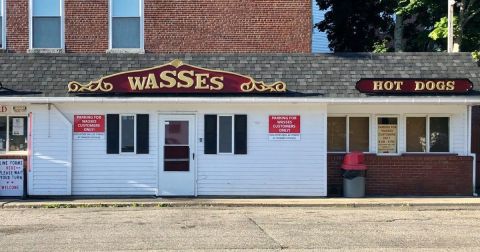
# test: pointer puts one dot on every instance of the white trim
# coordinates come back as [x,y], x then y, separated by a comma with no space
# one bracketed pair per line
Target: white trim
[232,130]
[269,100]
[140,50]
[134,134]
[62,31]
[3,5]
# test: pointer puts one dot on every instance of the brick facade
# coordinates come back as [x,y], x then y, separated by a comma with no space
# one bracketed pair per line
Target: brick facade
[202,26]
[421,174]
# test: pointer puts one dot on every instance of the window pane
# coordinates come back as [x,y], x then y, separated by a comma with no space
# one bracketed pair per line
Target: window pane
[126,32]
[126,8]
[439,136]
[416,134]
[3,133]
[46,8]
[46,32]
[359,134]
[128,134]
[387,135]
[17,134]
[176,132]
[225,134]
[337,134]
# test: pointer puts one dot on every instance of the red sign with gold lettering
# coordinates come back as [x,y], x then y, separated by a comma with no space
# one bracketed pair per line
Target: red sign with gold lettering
[414,86]
[176,77]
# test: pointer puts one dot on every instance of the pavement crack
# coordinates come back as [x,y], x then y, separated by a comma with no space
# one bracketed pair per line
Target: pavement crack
[267,234]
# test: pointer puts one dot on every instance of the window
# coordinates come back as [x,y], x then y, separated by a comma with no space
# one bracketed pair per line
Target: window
[13,133]
[225,134]
[348,134]
[47,24]
[2,23]
[387,130]
[127,133]
[126,24]
[428,134]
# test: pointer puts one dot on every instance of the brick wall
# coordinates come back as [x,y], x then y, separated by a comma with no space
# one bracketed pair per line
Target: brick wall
[17,25]
[247,26]
[408,175]
[86,26]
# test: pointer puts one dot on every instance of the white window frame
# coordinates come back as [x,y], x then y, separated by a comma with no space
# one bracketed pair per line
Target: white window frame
[110,37]
[398,153]
[427,132]
[7,143]
[3,4]
[62,26]
[134,134]
[218,134]
[347,137]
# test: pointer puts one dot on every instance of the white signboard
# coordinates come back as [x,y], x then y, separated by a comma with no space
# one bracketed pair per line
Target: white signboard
[17,126]
[11,177]
[387,138]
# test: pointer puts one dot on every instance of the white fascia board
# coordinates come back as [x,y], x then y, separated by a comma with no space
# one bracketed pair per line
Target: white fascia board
[366,100]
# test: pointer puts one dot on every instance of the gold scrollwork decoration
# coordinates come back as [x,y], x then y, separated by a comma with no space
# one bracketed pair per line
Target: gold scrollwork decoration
[93,86]
[262,87]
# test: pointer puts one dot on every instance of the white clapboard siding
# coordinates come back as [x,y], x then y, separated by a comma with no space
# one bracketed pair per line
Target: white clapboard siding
[270,168]
[51,152]
[97,173]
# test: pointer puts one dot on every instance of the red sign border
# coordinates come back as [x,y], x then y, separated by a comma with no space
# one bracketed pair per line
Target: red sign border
[75,124]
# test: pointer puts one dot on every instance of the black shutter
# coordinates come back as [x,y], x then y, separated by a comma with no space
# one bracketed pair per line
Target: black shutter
[210,134]
[142,134]
[240,134]
[112,134]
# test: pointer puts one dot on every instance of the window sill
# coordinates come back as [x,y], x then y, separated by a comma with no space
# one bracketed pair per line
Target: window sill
[46,50]
[14,153]
[126,50]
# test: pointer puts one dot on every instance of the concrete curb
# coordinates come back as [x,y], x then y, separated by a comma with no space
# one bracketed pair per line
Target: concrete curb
[347,203]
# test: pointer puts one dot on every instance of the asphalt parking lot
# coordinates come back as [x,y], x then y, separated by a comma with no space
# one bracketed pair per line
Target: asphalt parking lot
[240,228]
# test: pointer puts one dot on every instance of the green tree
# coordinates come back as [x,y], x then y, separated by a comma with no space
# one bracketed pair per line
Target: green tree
[355,25]
[425,24]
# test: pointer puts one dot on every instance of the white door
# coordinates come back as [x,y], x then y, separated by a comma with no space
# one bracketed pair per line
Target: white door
[177,155]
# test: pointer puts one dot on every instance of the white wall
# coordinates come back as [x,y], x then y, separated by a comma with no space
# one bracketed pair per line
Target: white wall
[272,168]
[51,152]
[457,114]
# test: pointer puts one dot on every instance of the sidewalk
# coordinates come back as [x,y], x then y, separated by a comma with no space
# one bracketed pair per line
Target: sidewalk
[458,202]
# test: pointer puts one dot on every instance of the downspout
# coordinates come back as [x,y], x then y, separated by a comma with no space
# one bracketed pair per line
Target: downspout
[469,149]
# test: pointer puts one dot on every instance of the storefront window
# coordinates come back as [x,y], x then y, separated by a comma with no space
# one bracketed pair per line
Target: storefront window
[358,132]
[3,134]
[387,134]
[416,134]
[225,134]
[337,134]
[127,127]
[17,134]
[439,134]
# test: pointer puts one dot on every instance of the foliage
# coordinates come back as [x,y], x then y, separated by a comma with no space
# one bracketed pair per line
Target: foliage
[354,26]
[381,46]
[476,56]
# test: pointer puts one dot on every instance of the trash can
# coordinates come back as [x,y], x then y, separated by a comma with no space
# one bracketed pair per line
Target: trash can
[354,171]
